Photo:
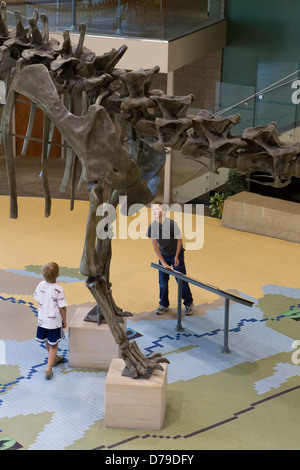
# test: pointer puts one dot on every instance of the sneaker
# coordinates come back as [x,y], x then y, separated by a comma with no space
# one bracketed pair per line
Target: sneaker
[58,360]
[161,309]
[189,310]
[48,374]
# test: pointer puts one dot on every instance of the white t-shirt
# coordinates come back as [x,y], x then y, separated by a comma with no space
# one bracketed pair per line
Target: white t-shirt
[50,297]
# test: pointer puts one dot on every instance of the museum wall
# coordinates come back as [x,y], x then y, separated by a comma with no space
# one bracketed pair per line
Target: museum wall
[198,78]
[35,145]
[259,30]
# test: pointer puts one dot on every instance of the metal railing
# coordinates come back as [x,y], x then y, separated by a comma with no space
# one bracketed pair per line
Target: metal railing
[184,278]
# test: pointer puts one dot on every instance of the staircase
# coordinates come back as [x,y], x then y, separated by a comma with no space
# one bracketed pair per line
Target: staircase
[191,179]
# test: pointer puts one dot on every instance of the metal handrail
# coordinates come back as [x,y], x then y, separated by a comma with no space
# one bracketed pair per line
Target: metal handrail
[228,296]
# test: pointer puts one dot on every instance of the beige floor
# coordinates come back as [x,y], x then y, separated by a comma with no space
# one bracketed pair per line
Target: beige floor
[229,259]
[215,402]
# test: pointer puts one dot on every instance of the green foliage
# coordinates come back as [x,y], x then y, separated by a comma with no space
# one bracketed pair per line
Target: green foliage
[236,183]
[216,204]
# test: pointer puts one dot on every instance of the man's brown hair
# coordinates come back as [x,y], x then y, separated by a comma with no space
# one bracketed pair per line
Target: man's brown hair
[163,205]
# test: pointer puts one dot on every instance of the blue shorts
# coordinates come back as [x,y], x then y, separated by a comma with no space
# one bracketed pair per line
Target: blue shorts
[51,336]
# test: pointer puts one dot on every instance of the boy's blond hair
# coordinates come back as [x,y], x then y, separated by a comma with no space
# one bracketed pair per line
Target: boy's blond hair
[50,272]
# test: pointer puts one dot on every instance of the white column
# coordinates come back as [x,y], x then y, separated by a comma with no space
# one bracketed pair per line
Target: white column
[168,164]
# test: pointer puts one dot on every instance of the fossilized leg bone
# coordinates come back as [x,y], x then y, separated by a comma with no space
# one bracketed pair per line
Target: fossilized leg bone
[95,264]
[46,128]
[8,148]
[67,171]
[29,129]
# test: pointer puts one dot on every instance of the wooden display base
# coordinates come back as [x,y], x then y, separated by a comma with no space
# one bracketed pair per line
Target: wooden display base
[91,345]
[135,403]
[263,215]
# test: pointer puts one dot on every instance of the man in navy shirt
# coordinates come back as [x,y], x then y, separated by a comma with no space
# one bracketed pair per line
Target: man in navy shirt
[167,243]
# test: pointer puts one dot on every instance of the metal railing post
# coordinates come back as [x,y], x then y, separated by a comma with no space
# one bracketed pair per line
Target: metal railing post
[227,295]
[179,325]
[73,25]
[226,349]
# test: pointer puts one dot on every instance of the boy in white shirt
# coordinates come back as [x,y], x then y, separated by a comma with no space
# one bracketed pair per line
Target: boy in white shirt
[51,314]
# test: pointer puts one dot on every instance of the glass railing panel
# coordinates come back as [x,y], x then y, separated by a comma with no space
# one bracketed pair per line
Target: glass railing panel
[236,99]
[185,17]
[151,19]
[274,94]
[127,18]
[137,19]
[276,98]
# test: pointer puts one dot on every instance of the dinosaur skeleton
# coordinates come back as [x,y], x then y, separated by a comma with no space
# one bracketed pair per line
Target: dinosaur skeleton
[97,94]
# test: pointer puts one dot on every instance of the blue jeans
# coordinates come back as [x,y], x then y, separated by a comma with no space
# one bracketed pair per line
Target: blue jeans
[164,281]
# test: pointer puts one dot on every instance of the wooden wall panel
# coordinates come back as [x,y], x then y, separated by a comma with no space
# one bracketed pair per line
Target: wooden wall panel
[22,119]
